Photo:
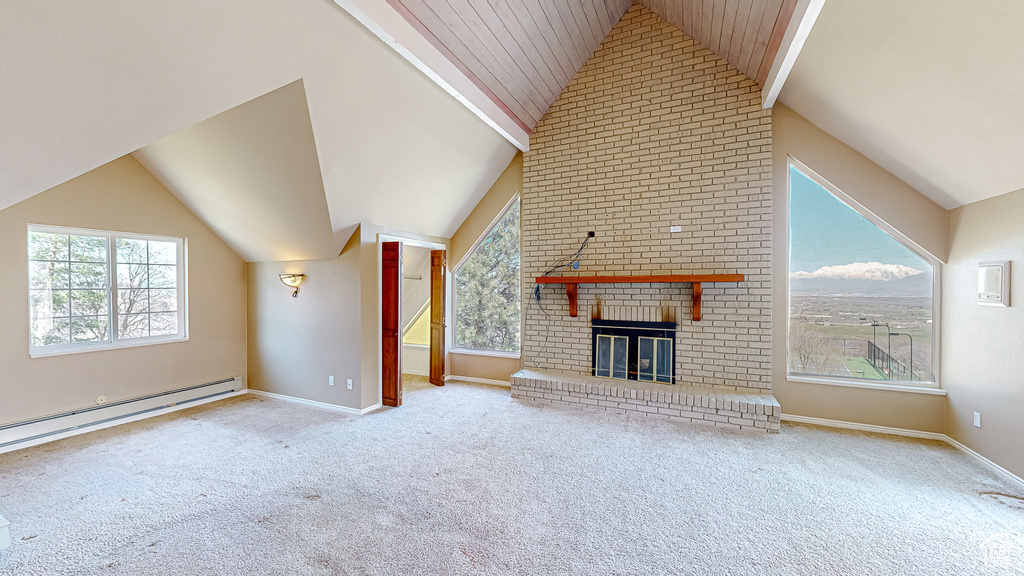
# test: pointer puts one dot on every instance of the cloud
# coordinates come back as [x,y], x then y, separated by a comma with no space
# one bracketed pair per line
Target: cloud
[859,271]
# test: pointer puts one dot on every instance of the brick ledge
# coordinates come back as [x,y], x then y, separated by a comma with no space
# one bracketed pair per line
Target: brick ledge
[722,408]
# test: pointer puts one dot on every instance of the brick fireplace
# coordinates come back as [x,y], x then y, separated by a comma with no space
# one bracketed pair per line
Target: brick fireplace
[663,150]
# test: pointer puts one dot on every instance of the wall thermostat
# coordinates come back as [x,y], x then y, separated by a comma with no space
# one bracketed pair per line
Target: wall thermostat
[994,283]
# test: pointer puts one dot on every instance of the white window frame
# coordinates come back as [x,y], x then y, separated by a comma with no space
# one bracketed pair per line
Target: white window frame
[455,285]
[112,342]
[901,385]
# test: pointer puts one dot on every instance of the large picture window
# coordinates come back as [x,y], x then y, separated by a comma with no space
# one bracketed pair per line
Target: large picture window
[91,289]
[862,303]
[487,299]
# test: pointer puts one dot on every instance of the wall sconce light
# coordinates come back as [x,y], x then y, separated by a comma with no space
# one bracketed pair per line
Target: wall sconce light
[293,280]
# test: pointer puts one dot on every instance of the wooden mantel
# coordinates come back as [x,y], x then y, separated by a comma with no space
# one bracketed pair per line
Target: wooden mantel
[572,282]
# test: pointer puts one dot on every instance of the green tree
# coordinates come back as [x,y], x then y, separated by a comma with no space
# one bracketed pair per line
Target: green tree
[487,292]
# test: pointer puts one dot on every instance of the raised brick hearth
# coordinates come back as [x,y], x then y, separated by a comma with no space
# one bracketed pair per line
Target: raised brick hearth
[710,406]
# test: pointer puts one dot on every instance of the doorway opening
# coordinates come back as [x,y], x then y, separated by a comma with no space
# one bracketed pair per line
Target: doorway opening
[413,286]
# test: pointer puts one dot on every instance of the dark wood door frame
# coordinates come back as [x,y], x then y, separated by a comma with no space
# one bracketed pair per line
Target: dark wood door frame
[391,323]
[390,317]
[438,279]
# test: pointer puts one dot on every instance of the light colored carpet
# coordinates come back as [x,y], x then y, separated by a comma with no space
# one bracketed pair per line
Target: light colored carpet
[466,480]
[414,383]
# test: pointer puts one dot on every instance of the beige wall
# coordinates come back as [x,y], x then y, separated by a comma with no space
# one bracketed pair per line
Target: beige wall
[482,365]
[480,219]
[295,344]
[981,360]
[654,131]
[902,207]
[120,196]
[888,197]
[476,225]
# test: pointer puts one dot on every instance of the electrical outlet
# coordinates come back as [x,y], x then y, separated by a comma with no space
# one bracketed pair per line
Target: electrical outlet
[977,419]
[675,228]
[101,400]
[349,383]
[330,380]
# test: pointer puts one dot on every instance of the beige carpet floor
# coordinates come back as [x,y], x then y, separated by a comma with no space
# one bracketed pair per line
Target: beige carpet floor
[414,383]
[467,481]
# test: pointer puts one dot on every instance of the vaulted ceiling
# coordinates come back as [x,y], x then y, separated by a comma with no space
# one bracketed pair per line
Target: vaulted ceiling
[523,53]
[747,33]
[84,83]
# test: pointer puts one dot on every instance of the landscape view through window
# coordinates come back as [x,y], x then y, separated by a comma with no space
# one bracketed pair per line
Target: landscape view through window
[860,302]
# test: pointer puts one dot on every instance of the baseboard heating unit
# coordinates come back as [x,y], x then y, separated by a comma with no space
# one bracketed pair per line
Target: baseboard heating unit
[48,428]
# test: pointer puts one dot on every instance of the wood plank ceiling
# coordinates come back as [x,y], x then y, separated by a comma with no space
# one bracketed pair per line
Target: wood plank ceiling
[523,53]
[747,33]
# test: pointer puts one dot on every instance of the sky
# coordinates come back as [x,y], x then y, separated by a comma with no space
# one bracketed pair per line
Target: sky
[824,231]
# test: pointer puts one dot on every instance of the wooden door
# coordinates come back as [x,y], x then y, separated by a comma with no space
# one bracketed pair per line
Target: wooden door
[391,324]
[438,277]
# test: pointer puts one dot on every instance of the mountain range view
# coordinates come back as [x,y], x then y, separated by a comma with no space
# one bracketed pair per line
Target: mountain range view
[863,279]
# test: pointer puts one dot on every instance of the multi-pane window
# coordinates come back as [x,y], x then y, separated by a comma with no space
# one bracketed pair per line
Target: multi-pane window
[862,303]
[73,303]
[487,290]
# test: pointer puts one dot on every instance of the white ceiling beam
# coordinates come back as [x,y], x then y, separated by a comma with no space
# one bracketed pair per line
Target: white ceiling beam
[804,16]
[391,27]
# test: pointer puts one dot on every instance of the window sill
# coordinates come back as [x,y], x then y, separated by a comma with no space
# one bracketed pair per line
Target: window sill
[932,391]
[492,353]
[101,346]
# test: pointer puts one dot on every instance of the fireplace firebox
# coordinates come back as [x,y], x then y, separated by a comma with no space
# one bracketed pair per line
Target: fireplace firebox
[626,350]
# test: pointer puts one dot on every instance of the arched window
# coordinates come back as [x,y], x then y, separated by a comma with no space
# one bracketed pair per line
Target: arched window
[862,302]
[487,296]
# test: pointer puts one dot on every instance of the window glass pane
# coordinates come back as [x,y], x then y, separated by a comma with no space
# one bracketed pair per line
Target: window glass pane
[163,252]
[133,326]
[52,275]
[89,329]
[487,291]
[645,359]
[88,302]
[161,324]
[50,331]
[132,275]
[664,368]
[49,303]
[860,301]
[619,356]
[43,246]
[132,251]
[132,301]
[88,249]
[88,275]
[604,356]
[163,276]
[163,300]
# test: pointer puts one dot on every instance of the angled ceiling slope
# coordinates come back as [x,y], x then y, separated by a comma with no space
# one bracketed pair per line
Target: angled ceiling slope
[746,33]
[252,175]
[930,91]
[521,53]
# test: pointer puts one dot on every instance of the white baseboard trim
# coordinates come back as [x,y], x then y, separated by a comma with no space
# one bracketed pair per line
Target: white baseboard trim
[863,427]
[325,405]
[1006,474]
[82,423]
[992,465]
[479,380]
[416,372]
